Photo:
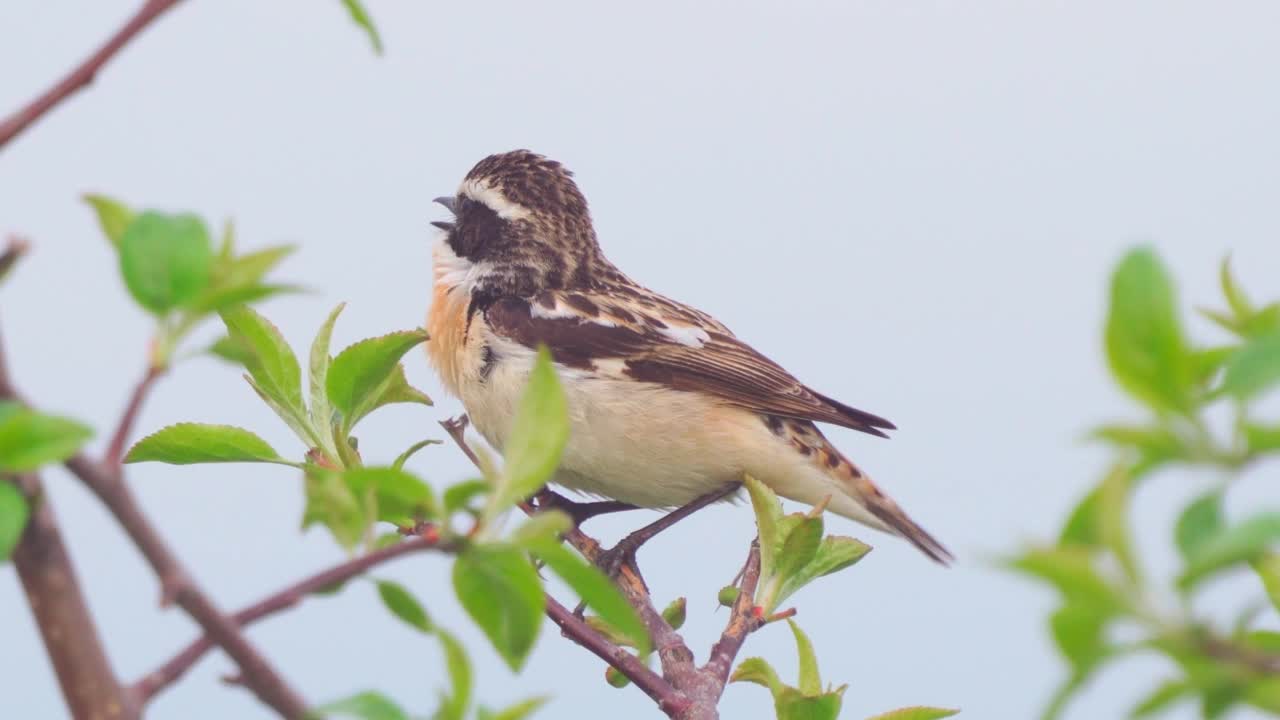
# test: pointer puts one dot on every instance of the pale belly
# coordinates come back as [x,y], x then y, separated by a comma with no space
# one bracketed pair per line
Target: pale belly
[641,443]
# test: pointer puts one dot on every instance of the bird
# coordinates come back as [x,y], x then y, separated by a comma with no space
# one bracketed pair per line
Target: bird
[665,403]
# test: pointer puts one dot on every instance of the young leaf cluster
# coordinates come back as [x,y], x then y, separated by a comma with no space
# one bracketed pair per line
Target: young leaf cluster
[1103,587]
[171,269]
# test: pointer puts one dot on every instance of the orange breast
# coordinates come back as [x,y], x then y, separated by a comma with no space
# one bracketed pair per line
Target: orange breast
[446,323]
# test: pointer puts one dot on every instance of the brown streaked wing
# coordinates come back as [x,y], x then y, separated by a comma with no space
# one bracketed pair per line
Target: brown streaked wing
[724,366]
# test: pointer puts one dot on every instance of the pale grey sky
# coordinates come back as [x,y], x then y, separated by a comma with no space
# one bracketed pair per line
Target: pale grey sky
[911,205]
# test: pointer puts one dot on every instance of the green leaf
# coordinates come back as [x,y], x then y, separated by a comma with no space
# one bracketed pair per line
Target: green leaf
[600,594]
[331,502]
[1254,369]
[1081,529]
[792,705]
[545,526]
[810,681]
[768,512]
[1230,546]
[218,298]
[1261,438]
[759,671]
[113,216]
[835,553]
[1071,571]
[413,449]
[1208,361]
[165,259]
[14,513]
[1236,299]
[1264,693]
[358,372]
[190,443]
[454,705]
[401,497]
[1268,568]
[1145,345]
[800,547]
[231,350]
[277,377]
[404,605]
[367,705]
[1201,520]
[519,711]
[1158,700]
[29,439]
[499,588]
[458,497]
[1079,631]
[1155,444]
[917,713]
[1113,523]
[360,16]
[538,435]
[321,412]
[395,389]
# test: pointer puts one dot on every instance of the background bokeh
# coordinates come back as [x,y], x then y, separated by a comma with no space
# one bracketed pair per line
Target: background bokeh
[911,205]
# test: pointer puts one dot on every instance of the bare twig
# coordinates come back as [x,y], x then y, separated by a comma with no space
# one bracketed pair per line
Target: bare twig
[173,670]
[14,249]
[120,438]
[83,74]
[177,586]
[669,700]
[744,619]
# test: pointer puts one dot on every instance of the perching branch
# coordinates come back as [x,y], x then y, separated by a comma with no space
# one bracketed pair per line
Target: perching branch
[178,587]
[171,671]
[685,691]
[83,74]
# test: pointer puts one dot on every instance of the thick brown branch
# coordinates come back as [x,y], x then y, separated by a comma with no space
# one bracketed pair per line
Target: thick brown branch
[70,636]
[172,670]
[177,586]
[66,626]
[82,75]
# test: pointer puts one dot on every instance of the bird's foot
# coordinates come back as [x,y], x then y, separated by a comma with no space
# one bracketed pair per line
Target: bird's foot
[579,512]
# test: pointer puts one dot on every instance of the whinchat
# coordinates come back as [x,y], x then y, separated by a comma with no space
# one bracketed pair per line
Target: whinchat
[665,404]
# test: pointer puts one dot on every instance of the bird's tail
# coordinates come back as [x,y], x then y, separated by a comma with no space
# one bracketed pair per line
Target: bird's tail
[857,497]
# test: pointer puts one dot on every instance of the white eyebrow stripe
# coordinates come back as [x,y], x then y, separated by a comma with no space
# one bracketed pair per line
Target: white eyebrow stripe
[493,198]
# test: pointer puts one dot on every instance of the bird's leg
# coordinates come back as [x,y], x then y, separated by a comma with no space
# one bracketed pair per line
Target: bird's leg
[579,512]
[612,560]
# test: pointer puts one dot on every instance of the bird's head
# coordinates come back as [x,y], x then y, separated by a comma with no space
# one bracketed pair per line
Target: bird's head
[520,220]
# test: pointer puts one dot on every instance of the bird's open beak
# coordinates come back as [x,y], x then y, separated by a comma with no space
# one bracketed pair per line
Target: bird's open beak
[449,203]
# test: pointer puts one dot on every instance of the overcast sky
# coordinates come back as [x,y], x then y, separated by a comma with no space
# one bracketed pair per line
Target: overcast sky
[911,205]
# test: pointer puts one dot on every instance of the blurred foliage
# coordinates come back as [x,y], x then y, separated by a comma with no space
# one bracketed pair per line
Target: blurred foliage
[1106,592]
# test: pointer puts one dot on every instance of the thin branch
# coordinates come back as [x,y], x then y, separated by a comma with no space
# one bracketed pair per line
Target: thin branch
[14,249]
[743,620]
[124,427]
[669,700]
[83,74]
[177,586]
[172,670]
